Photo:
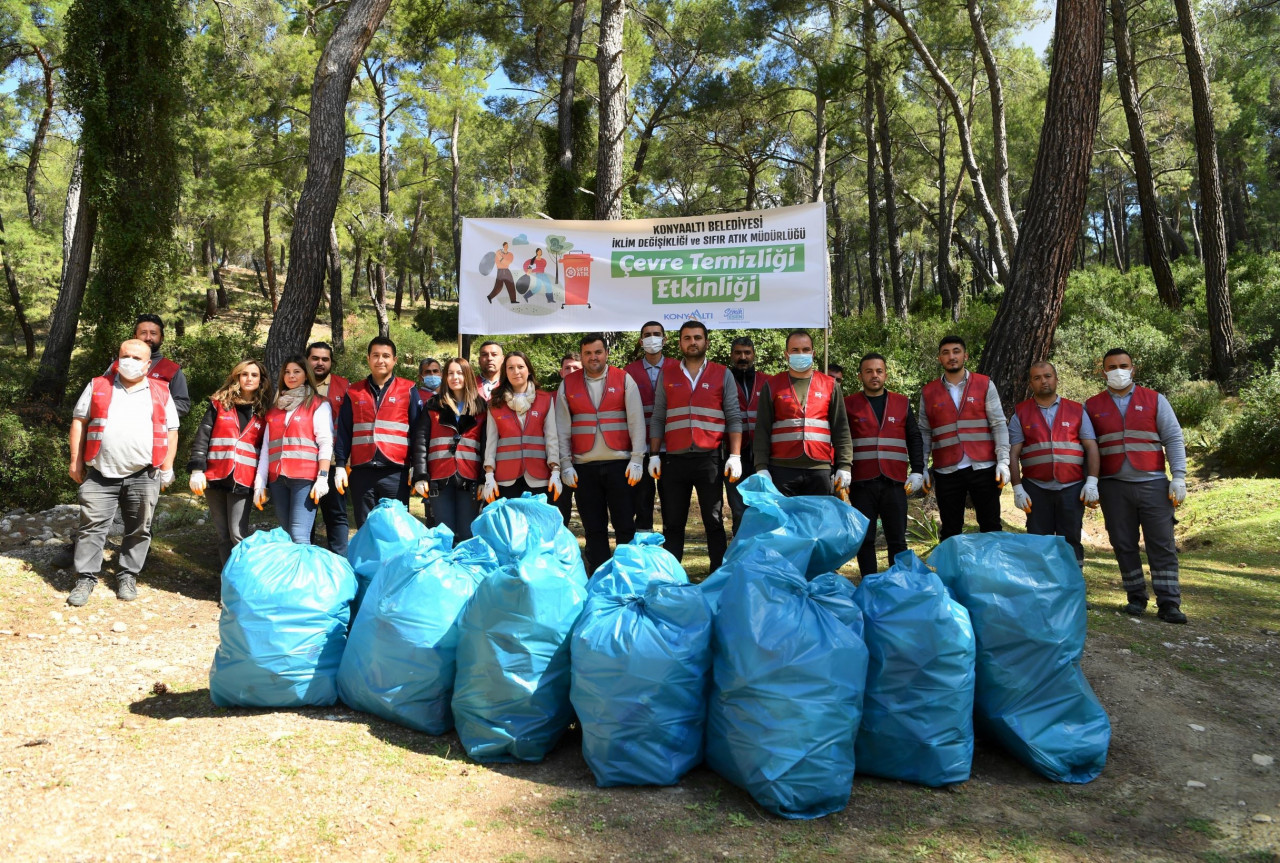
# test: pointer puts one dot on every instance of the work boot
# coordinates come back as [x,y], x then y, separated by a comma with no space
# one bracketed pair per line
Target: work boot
[126,588]
[1171,614]
[80,593]
[1136,607]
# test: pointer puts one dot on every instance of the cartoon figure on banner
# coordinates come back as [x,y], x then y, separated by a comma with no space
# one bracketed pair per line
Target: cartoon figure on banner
[536,280]
[536,267]
[501,259]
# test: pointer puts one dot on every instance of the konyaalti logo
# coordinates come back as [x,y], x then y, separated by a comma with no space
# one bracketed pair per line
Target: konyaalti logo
[695,315]
[537,279]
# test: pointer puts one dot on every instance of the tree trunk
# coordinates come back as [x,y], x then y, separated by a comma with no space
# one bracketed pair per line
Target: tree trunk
[1148,201]
[1213,230]
[429,266]
[336,319]
[1113,230]
[568,87]
[355,272]
[409,254]
[1000,148]
[15,297]
[613,110]
[900,289]
[455,204]
[267,253]
[326,161]
[873,192]
[820,135]
[34,214]
[224,301]
[948,291]
[378,293]
[1028,315]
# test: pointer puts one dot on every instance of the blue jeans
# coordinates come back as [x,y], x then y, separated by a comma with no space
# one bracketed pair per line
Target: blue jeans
[294,508]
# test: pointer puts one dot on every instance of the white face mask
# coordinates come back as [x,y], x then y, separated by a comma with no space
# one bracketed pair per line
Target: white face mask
[652,344]
[131,368]
[1119,379]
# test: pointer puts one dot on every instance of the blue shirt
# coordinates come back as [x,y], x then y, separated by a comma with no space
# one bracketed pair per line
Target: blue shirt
[1049,413]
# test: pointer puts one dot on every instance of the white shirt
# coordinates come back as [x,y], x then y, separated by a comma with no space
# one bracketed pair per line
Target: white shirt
[127,437]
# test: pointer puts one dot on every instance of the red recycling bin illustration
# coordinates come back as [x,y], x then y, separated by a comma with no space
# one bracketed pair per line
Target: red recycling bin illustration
[577,279]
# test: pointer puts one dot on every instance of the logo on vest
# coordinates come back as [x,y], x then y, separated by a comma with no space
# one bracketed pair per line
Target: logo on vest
[1137,407]
[534,414]
[392,399]
[706,386]
[613,389]
[969,398]
[893,419]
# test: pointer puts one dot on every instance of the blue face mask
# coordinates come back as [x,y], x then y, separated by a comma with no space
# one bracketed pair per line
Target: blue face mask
[431,382]
[800,362]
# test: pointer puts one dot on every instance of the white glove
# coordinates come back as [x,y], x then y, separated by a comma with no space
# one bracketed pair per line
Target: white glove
[319,489]
[259,497]
[422,488]
[1178,491]
[635,472]
[844,479]
[928,481]
[166,477]
[914,483]
[1002,474]
[554,488]
[1020,498]
[733,467]
[198,483]
[764,472]
[569,476]
[490,492]
[1089,494]
[340,480]
[655,466]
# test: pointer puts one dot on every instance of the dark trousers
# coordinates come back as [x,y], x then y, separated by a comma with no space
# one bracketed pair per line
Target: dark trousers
[333,507]
[100,498]
[519,487]
[230,514]
[502,280]
[952,490]
[737,506]
[604,496]
[796,481]
[681,476]
[454,503]
[1128,507]
[565,504]
[1057,512]
[885,499]
[642,496]
[367,485]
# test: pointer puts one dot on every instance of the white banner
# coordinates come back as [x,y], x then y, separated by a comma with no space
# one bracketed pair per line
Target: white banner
[760,269]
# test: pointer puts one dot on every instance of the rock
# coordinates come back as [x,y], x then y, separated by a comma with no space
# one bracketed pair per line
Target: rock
[1264,760]
[118,627]
[75,630]
[1191,783]
[36,543]
[200,522]
[76,672]
[1261,818]
[176,720]
[1195,727]
[40,637]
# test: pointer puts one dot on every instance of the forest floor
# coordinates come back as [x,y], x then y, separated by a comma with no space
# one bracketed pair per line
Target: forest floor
[110,748]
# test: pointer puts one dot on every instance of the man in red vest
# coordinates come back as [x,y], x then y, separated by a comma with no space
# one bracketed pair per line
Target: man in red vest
[962,426]
[802,431]
[600,423]
[489,361]
[647,373]
[888,459]
[695,413]
[332,388]
[1052,449]
[150,329]
[750,383]
[124,437]
[377,416]
[1137,431]
[569,363]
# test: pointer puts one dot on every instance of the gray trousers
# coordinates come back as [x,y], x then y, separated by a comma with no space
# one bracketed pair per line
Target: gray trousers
[1128,507]
[1056,512]
[230,515]
[135,497]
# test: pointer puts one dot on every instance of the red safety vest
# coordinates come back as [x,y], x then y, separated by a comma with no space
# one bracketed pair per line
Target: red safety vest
[164,369]
[425,394]
[1051,454]
[610,418]
[100,406]
[748,401]
[957,433]
[1133,435]
[291,447]
[521,450]
[879,446]
[647,393]
[380,428]
[233,451]
[801,430]
[695,419]
[338,387]
[450,453]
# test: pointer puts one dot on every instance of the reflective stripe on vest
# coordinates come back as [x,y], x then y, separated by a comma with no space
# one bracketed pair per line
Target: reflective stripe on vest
[879,446]
[695,414]
[609,418]
[291,445]
[801,430]
[100,407]
[380,428]
[957,433]
[1133,435]
[521,450]
[1051,454]
[450,453]
[233,452]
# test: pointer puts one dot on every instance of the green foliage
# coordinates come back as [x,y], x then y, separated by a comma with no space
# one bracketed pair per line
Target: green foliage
[438,322]
[1251,446]
[1197,403]
[1256,302]
[33,459]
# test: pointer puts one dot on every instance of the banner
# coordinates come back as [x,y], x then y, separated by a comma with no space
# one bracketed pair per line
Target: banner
[760,269]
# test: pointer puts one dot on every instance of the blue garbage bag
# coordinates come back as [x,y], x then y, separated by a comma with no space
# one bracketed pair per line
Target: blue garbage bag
[1026,598]
[816,534]
[634,565]
[401,656]
[917,716]
[284,618]
[788,671]
[641,655]
[529,526]
[511,698]
[388,532]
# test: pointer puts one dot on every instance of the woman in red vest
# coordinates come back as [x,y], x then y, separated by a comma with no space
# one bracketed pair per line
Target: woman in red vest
[521,452]
[224,454]
[296,450]
[448,440]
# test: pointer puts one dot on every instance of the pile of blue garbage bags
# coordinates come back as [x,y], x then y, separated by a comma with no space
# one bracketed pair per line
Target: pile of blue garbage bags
[775,671]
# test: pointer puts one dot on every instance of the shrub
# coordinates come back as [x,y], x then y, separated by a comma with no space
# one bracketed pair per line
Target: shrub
[1251,445]
[33,459]
[438,321]
[1197,403]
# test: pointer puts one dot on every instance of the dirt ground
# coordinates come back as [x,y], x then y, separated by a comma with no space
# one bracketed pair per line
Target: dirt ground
[110,749]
